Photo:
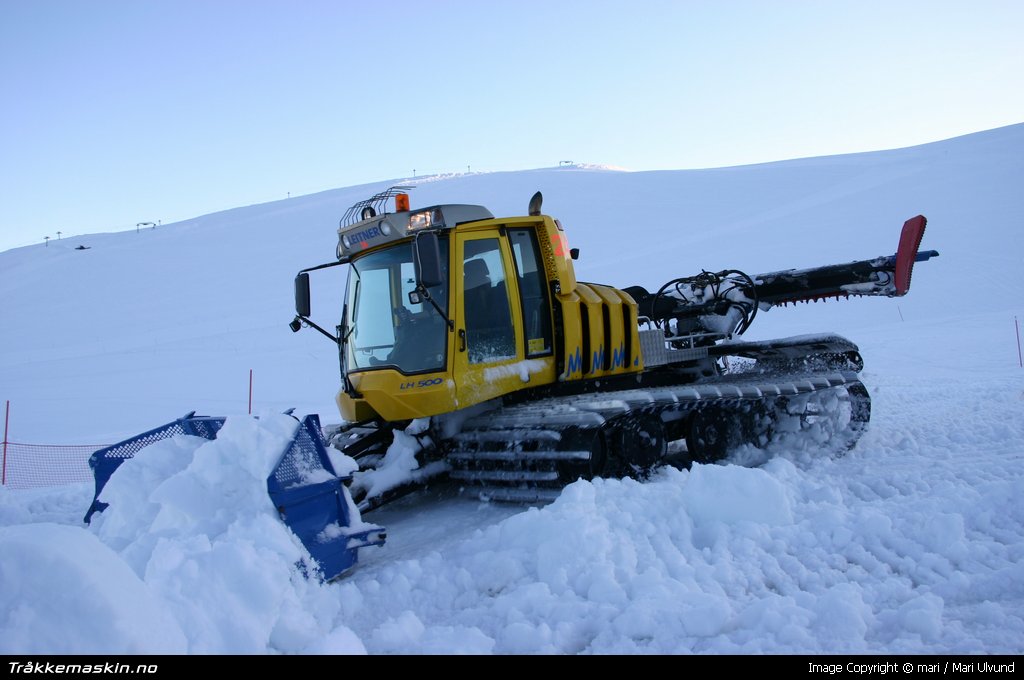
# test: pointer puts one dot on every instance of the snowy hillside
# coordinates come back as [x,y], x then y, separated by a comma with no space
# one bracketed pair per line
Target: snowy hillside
[104,342]
[913,542]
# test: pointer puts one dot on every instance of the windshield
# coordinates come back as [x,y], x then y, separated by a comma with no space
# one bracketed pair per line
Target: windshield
[383,328]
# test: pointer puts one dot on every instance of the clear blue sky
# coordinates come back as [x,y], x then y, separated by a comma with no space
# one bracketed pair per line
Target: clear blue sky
[120,111]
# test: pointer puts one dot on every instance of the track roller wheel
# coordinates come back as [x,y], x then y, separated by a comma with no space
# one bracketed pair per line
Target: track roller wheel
[596,466]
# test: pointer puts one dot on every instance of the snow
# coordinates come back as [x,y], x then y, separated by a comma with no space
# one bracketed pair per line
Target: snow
[65,592]
[735,494]
[343,465]
[192,519]
[523,369]
[400,465]
[912,542]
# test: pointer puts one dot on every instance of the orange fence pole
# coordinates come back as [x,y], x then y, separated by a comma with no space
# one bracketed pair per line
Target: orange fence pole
[1020,358]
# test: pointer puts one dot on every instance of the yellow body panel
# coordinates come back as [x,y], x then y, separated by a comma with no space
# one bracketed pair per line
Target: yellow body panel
[601,336]
[398,397]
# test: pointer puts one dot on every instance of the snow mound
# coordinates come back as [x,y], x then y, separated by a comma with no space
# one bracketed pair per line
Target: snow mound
[65,592]
[193,521]
[733,494]
[828,556]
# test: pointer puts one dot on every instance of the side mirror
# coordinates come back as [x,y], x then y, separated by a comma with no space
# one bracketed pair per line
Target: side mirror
[302,307]
[574,253]
[428,260]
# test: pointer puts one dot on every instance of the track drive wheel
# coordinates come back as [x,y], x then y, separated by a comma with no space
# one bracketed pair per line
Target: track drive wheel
[642,444]
[711,435]
[715,431]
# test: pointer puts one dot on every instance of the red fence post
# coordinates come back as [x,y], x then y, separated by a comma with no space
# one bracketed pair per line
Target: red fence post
[7,420]
[1020,357]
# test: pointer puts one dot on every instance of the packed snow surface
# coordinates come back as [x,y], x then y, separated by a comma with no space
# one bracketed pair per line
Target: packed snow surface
[913,542]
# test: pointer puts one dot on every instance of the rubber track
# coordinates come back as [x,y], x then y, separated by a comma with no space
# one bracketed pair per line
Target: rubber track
[528,452]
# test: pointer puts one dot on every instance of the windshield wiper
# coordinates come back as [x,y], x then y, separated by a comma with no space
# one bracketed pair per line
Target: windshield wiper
[423,294]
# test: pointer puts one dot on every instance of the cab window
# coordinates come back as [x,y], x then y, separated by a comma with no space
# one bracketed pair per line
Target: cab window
[489,333]
[532,291]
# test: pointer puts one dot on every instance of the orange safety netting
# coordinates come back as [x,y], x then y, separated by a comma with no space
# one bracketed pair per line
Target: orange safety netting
[28,466]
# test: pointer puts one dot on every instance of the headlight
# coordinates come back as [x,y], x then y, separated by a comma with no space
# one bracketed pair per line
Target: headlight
[419,220]
[425,220]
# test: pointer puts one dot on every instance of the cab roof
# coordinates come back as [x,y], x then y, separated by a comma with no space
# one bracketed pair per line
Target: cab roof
[376,230]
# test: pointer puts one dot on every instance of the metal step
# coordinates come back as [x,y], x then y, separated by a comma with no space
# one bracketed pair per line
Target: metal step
[516,434]
[504,475]
[510,456]
[516,495]
[522,417]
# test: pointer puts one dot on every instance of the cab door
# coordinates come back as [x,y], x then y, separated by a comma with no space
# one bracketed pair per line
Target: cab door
[488,329]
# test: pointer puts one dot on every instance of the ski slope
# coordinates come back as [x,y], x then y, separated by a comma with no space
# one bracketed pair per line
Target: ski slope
[913,542]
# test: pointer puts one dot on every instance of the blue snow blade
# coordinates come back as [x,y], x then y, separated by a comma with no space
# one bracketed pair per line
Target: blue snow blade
[315,503]
[311,499]
[105,461]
